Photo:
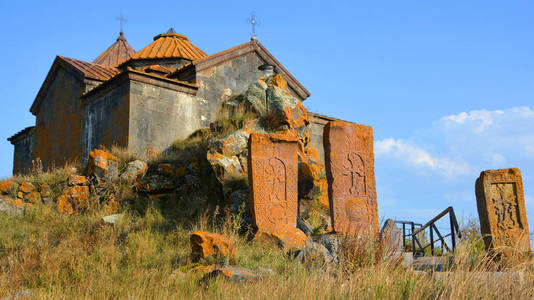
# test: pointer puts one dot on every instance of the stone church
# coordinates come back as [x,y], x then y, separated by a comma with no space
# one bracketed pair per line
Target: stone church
[142,101]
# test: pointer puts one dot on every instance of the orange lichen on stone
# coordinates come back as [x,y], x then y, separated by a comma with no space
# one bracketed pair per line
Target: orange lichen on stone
[285,237]
[6,186]
[501,210]
[100,162]
[351,177]
[279,81]
[64,206]
[77,180]
[273,175]
[73,199]
[27,187]
[206,244]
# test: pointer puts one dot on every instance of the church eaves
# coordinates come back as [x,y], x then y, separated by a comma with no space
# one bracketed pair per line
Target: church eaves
[116,53]
[170,45]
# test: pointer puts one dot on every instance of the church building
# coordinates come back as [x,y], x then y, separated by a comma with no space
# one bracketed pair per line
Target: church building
[142,101]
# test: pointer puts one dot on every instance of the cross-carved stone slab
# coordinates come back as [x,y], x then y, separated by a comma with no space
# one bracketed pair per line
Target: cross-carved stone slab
[501,209]
[273,179]
[349,161]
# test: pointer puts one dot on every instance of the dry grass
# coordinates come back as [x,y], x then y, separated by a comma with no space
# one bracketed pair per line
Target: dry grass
[79,257]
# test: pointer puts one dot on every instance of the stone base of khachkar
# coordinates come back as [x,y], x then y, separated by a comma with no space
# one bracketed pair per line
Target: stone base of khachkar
[350,173]
[501,209]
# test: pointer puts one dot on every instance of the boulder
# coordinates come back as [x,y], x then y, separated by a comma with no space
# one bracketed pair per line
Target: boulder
[112,219]
[206,244]
[103,164]
[284,237]
[11,206]
[134,170]
[314,253]
[75,180]
[304,226]
[391,238]
[154,184]
[6,186]
[235,274]
[73,199]
[331,241]
[28,193]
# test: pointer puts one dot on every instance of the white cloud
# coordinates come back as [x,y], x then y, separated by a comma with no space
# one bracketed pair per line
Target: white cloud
[417,157]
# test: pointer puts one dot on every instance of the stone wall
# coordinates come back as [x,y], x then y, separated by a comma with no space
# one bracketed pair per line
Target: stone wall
[221,81]
[58,129]
[22,160]
[106,118]
[159,116]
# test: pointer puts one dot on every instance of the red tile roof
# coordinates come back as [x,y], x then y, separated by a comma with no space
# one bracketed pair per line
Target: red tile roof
[116,53]
[91,70]
[170,45]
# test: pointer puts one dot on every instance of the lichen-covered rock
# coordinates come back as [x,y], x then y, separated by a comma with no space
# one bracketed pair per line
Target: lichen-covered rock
[154,184]
[134,170]
[206,244]
[28,193]
[11,206]
[235,274]
[314,253]
[6,186]
[225,167]
[27,187]
[103,164]
[284,237]
[75,180]
[73,199]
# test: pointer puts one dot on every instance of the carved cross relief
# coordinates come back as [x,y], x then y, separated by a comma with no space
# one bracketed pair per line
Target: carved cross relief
[354,178]
[504,200]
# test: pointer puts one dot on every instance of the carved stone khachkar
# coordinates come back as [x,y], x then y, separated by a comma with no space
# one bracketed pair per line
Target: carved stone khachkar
[501,209]
[273,180]
[350,173]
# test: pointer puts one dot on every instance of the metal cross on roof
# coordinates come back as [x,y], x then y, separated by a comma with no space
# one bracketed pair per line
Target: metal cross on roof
[122,20]
[253,21]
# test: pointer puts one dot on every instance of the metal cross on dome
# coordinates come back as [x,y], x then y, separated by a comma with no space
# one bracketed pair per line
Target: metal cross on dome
[122,20]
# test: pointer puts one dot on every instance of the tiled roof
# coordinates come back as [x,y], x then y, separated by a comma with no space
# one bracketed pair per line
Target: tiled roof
[116,53]
[156,69]
[170,45]
[91,70]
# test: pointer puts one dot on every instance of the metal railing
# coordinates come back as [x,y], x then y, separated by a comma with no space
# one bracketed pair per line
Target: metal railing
[433,229]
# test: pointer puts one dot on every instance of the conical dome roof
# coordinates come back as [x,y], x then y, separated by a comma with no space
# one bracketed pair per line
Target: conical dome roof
[170,45]
[116,53]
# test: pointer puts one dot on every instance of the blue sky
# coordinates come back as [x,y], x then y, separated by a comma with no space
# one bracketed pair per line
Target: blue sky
[447,85]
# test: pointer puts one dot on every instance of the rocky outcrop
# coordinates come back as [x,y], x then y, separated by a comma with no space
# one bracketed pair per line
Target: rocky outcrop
[278,112]
[103,164]
[134,170]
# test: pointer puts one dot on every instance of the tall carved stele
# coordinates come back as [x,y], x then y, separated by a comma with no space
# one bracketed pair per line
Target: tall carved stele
[350,172]
[501,209]
[273,180]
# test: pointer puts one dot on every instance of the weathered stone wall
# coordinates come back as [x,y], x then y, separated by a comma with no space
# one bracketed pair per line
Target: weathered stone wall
[22,160]
[106,118]
[159,116]
[220,82]
[58,130]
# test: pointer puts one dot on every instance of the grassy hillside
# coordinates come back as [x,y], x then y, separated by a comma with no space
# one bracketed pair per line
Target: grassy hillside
[147,256]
